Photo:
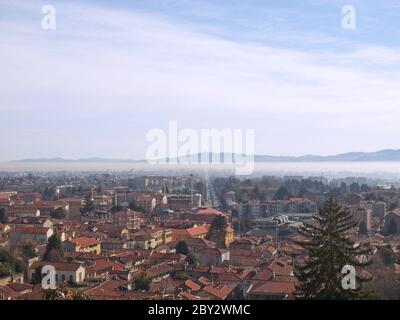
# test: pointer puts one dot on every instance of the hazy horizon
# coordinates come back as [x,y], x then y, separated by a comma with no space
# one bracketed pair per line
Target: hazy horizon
[375,170]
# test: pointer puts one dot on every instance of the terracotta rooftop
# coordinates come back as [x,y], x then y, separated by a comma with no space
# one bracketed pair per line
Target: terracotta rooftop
[280,267]
[220,292]
[63,266]
[84,241]
[192,285]
[207,210]
[195,231]
[158,270]
[273,287]
[30,230]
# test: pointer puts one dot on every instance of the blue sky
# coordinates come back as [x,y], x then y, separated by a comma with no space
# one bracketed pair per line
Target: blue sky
[112,70]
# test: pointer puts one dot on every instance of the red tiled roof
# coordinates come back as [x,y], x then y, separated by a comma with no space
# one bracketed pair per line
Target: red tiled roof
[192,285]
[166,256]
[18,287]
[84,256]
[106,291]
[215,251]
[63,266]
[180,233]
[30,220]
[261,274]
[21,209]
[273,287]
[158,270]
[100,265]
[244,253]
[280,267]
[229,276]
[195,231]
[220,292]
[8,293]
[84,241]
[31,230]
[204,281]
[207,210]
[200,242]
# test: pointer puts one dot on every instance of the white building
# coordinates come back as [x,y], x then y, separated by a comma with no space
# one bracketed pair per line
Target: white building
[65,272]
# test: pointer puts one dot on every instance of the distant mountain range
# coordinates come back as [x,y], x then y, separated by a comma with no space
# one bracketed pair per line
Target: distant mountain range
[82,160]
[383,155]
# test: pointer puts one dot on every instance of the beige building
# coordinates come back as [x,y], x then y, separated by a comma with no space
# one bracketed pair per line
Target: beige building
[83,244]
[20,235]
[33,222]
[152,237]
[22,211]
[126,219]
[65,272]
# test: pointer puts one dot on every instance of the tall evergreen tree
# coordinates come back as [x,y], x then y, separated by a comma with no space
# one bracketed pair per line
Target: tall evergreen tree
[54,249]
[329,248]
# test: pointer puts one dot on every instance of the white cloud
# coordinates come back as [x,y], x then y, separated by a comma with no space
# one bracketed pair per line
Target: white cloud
[107,62]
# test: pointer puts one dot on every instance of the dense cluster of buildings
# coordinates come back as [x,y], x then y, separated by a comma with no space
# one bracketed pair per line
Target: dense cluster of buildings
[114,235]
[257,209]
[132,231]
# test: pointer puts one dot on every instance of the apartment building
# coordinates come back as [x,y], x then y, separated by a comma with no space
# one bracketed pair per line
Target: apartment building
[83,244]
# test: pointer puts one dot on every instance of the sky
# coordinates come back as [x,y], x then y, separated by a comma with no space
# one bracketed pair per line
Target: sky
[113,70]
